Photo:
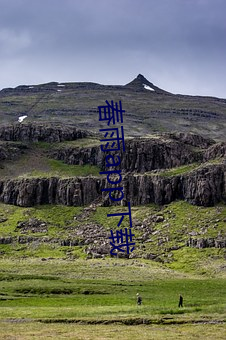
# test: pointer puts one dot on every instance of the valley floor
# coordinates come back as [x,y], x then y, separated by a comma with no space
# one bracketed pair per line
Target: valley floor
[96,299]
[31,330]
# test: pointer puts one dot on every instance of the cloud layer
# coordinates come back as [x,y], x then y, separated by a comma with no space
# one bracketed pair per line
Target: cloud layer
[180,45]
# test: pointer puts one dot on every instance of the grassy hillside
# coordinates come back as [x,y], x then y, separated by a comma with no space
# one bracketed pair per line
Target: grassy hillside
[80,297]
[51,284]
[35,162]
[165,241]
[146,111]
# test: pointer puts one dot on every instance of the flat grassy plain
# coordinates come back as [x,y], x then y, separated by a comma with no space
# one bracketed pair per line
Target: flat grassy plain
[104,332]
[96,299]
[50,291]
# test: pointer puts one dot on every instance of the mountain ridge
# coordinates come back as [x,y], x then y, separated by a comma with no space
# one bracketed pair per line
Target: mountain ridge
[141,83]
[136,84]
[148,108]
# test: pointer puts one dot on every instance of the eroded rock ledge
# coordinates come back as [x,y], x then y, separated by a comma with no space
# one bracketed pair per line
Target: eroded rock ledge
[204,186]
[143,155]
[37,132]
[140,165]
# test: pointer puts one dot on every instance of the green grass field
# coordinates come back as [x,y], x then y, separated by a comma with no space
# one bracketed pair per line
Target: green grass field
[50,291]
[37,163]
[96,299]
[108,332]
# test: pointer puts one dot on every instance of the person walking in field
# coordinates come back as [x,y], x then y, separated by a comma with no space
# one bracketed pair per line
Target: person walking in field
[180,301]
[139,299]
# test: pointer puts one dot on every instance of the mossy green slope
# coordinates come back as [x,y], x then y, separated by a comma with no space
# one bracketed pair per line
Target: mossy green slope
[167,241]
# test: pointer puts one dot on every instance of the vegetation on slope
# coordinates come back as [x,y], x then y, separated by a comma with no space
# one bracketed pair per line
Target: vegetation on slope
[166,240]
[100,292]
[146,111]
[35,162]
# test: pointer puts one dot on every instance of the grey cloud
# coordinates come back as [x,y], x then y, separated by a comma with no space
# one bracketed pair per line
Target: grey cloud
[179,44]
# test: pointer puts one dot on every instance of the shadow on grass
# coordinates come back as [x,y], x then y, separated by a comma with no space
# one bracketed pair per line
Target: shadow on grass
[180,311]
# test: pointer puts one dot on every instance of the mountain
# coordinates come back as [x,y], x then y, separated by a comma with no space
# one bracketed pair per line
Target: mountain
[173,171]
[140,83]
[28,178]
[51,194]
[58,225]
[148,108]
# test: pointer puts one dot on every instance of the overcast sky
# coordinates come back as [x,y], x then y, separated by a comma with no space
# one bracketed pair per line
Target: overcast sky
[179,45]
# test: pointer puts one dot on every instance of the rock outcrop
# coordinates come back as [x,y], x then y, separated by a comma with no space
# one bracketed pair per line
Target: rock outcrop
[29,192]
[218,242]
[141,155]
[191,139]
[141,164]
[205,186]
[11,151]
[37,132]
[215,151]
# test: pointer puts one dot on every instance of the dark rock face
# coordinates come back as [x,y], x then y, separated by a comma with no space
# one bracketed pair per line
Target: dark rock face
[140,156]
[80,156]
[29,192]
[192,139]
[216,150]
[35,133]
[205,186]
[201,187]
[4,153]
[218,242]
[10,151]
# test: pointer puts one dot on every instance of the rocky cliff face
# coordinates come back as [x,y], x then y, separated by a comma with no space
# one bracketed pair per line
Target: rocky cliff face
[215,151]
[11,151]
[141,155]
[34,133]
[205,186]
[201,187]
[191,139]
[29,192]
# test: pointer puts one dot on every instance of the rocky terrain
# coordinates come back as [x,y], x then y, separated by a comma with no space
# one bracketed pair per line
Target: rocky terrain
[204,186]
[51,161]
[38,132]
[143,164]
[148,108]
[146,154]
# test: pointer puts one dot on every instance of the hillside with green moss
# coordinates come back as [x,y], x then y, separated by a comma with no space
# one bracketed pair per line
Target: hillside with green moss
[146,111]
[175,183]
[57,274]
[179,235]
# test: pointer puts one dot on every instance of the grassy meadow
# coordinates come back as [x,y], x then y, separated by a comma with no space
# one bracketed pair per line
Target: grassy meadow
[49,290]
[96,299]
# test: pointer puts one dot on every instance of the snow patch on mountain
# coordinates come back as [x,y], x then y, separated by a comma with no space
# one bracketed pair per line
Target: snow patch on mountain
[148,87]
[21,118]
